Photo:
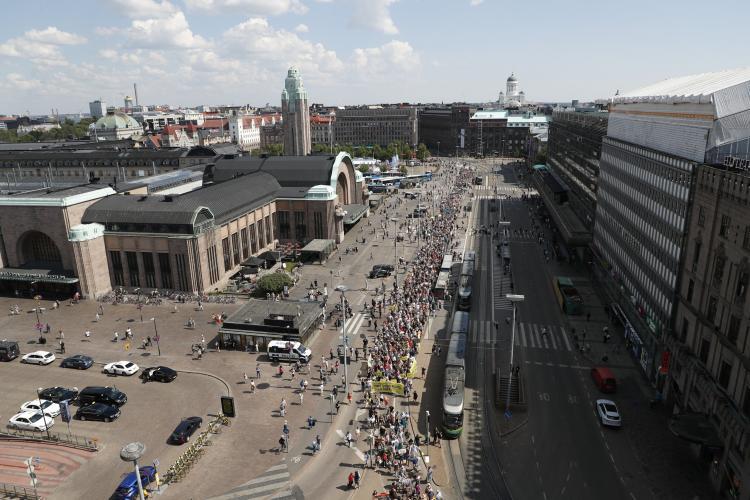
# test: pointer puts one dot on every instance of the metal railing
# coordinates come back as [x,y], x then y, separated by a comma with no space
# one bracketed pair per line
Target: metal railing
[14,491]
[72,440]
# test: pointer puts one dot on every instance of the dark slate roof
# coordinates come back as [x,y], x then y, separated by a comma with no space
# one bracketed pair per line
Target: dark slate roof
[290,171]
[226,200]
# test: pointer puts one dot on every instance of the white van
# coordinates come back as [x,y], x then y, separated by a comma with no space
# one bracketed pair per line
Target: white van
[287,350]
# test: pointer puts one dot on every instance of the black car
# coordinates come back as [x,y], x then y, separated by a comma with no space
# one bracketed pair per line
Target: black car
[381,271]
[79,362]
[98,411]
[159,374]
[98,394]
[185,429]
[57,394]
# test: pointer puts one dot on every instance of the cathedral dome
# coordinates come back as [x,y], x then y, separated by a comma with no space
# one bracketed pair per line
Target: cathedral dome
[512,78]
[116,119]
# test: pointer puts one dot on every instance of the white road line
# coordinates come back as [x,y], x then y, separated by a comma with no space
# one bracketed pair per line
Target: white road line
[552,338]
[523,334]
[359,454]
[565,338]
[265,479]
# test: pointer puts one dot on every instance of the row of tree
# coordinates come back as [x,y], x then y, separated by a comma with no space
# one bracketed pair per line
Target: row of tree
[68,130]
[377,151]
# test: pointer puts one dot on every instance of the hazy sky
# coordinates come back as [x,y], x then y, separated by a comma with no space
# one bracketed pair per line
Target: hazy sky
[65,53]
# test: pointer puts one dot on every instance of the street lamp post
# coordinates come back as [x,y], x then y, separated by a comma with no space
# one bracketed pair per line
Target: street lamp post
[131,453]
[427,414]
[41,409]
[514,298]
[330,397]
[343,289]
[156,337]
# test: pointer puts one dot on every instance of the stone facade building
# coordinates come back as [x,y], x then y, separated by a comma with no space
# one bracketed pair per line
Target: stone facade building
[295,113]
[363,126]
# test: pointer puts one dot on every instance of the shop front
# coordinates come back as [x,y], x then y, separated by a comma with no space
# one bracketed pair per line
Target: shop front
[28,283]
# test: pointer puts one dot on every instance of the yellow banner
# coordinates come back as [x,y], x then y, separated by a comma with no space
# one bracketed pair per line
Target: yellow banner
[388,387]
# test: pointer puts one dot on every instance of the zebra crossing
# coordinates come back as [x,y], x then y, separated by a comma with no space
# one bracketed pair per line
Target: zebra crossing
[505,189]
[275,483]
[530,335]
[482,333]
[500,287]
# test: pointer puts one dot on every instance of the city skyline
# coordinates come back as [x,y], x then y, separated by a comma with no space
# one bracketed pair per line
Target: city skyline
[191,52]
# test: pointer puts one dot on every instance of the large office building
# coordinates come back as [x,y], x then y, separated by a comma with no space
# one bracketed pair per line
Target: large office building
[295,114]
[656,138]
[574,148]
[97,109]
[444,130]
[708,354]
[366,125]
[502,133]
[173,231]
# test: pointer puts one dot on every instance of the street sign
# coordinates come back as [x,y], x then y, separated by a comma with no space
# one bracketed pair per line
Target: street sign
[65,411]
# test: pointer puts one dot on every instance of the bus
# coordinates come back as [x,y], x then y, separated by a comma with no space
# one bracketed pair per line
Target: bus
[464,286]
[568,298]
[447,263]
[441,285]
[455,376]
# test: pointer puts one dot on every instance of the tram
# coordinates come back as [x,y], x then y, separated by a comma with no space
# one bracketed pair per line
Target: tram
[455,375]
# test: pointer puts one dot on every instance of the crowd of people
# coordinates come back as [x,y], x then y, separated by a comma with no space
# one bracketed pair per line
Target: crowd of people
[401,317]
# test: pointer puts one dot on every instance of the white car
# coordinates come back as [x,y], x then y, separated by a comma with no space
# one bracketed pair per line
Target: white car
[38,358]
[608,413]
[120,368]
[31,421]
[50,409]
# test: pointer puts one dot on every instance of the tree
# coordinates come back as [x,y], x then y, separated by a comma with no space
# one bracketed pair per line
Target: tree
[422,152]
[274,282]
[364,169]
[403,169]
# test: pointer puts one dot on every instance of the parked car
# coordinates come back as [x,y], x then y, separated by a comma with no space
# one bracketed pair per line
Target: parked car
[98,411]
[98,394]
[608,413]
[128,488]
[79,362]
[159,374]
[120,368]
[31,421]
[185,429]
[58,394]
[38,358]
[48,407]
[9,350]
[381,271]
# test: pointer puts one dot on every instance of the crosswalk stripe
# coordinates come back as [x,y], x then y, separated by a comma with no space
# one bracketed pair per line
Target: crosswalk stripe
[523,334]
[537,338]
[356,451]
[565,338]
[552,338]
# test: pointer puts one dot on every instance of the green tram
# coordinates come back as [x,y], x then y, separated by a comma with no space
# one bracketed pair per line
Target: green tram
[455,374]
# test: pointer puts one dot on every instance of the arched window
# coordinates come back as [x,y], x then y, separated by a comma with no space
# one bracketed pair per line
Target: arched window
[38,249]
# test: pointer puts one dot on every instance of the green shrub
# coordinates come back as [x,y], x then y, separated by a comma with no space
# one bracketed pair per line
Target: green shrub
[274,283]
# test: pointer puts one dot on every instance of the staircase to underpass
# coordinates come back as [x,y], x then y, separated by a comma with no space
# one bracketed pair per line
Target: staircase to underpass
[518,399]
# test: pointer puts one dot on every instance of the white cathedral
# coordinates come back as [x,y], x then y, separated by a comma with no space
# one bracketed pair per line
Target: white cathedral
[512,97]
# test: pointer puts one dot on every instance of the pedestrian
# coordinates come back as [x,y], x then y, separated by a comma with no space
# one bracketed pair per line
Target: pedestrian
[338,405]
[282,407]
[115,338]
[252,387]
[257,370]
[356,479]
[415,396]
[61,334]
[588,316]
[349,397]
[310,422]
[350,480]
[301,398]
[62,347]
[429,474]
[424,371]
[87,335]
[348,439]
[97,317]
[244,377]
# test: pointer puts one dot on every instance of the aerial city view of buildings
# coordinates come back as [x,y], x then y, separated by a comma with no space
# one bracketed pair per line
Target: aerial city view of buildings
[467,296]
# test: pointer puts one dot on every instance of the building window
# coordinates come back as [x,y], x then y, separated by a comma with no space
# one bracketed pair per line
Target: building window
[182,275]
[133,274]
[225,252]
[213,265]
[684,330]
[253,239]
[746,238]
[235,249]
[696,255]
[720,264]
[269,230]
[741,291]
[300,229]
[245,243]
[726,221]
[116,259]
[261,233]
[318,224]
[724,374]
[690,289]
[148,269]
[734,329]
[701,216]
[705,347]
[711,311]
[284,227]
[166,270]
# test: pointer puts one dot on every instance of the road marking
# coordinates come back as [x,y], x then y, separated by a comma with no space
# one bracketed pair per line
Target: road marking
[554,344]
[565,338]
[359,454]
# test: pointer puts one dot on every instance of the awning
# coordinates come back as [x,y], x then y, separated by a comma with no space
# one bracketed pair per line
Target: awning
[354,213]
[36,275]
[695,428]
[320,246]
